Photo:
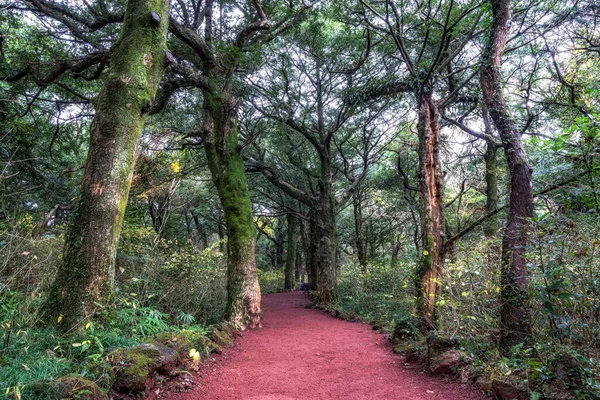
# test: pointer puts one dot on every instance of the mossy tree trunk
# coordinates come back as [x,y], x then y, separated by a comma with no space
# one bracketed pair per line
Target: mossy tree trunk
[85,279]
[220,137]
[515,319]
[429,270]
[290,260]
[491,181]
[325,256]
[325,217]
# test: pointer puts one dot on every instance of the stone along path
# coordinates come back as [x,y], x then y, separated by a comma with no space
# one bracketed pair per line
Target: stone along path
[303,353]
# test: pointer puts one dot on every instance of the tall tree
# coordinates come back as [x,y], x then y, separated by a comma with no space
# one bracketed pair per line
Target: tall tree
[214,67]
[439,31]
[515,319]
[306,100]
[85,279]
[290,260]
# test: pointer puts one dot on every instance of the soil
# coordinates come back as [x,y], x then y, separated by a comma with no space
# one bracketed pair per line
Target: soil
[303,353]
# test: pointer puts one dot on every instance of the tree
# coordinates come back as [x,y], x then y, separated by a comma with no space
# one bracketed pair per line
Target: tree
[213,68]
[440,31]
[290,259]
[315,122]
[85,279]
[515,319]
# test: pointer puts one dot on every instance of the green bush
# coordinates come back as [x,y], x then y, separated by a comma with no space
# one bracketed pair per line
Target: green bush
[381,295]
[271,281]
[178,279]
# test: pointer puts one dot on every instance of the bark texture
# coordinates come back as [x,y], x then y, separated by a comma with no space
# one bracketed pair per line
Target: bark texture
[220,138]
[515,319]
[201,231]
[358,227]
[429,271]
[491,181]
[310,239]
[325,217]
[85,279]
[290,260]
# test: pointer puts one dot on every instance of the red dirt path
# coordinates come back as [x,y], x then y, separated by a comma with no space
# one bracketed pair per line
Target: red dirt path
[305,354]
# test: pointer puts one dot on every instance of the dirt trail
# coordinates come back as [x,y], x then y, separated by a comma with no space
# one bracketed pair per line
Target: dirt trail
[305,354]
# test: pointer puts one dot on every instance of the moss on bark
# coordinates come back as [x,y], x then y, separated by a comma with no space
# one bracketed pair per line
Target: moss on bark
[85,278]
[220,137]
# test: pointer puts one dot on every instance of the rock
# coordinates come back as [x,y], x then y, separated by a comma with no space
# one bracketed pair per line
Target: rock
[405,329]
[437,344]
[568,372]
[506,391]
[69,387]
[221,338]
[135,368]
[411,350]
[230,327]
[440,343]
[448,362]
[310,305]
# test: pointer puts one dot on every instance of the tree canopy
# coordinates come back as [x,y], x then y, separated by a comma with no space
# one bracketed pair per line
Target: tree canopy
[431,167]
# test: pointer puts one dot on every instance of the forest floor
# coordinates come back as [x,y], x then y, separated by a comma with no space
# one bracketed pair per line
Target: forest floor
[303,353]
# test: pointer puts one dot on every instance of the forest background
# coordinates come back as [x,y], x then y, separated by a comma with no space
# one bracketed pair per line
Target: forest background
[430,168]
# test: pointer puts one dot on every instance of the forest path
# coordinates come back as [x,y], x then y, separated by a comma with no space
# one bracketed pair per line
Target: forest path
[303,353]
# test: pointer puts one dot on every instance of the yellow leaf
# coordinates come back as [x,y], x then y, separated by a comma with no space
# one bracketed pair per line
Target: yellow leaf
[87,326]
[194,354]
[175,167]
[60,318]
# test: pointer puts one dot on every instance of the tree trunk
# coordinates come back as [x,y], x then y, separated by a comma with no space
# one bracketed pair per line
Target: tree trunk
[279,245]
[360,245]
[311,240]
[221,233]
[201,231]
[515,319]
[85,279]
[290,260]
[429,271]
[299,276]
[396,247]
[325,255]
[491,181]
[220,138]
[188,226]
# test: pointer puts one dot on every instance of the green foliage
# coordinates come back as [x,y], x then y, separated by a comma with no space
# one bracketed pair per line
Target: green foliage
[380,296]
[180,280]
[161,288]
[271,281]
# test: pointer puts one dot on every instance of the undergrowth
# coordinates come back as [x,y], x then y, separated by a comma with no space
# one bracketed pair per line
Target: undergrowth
[563,295]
